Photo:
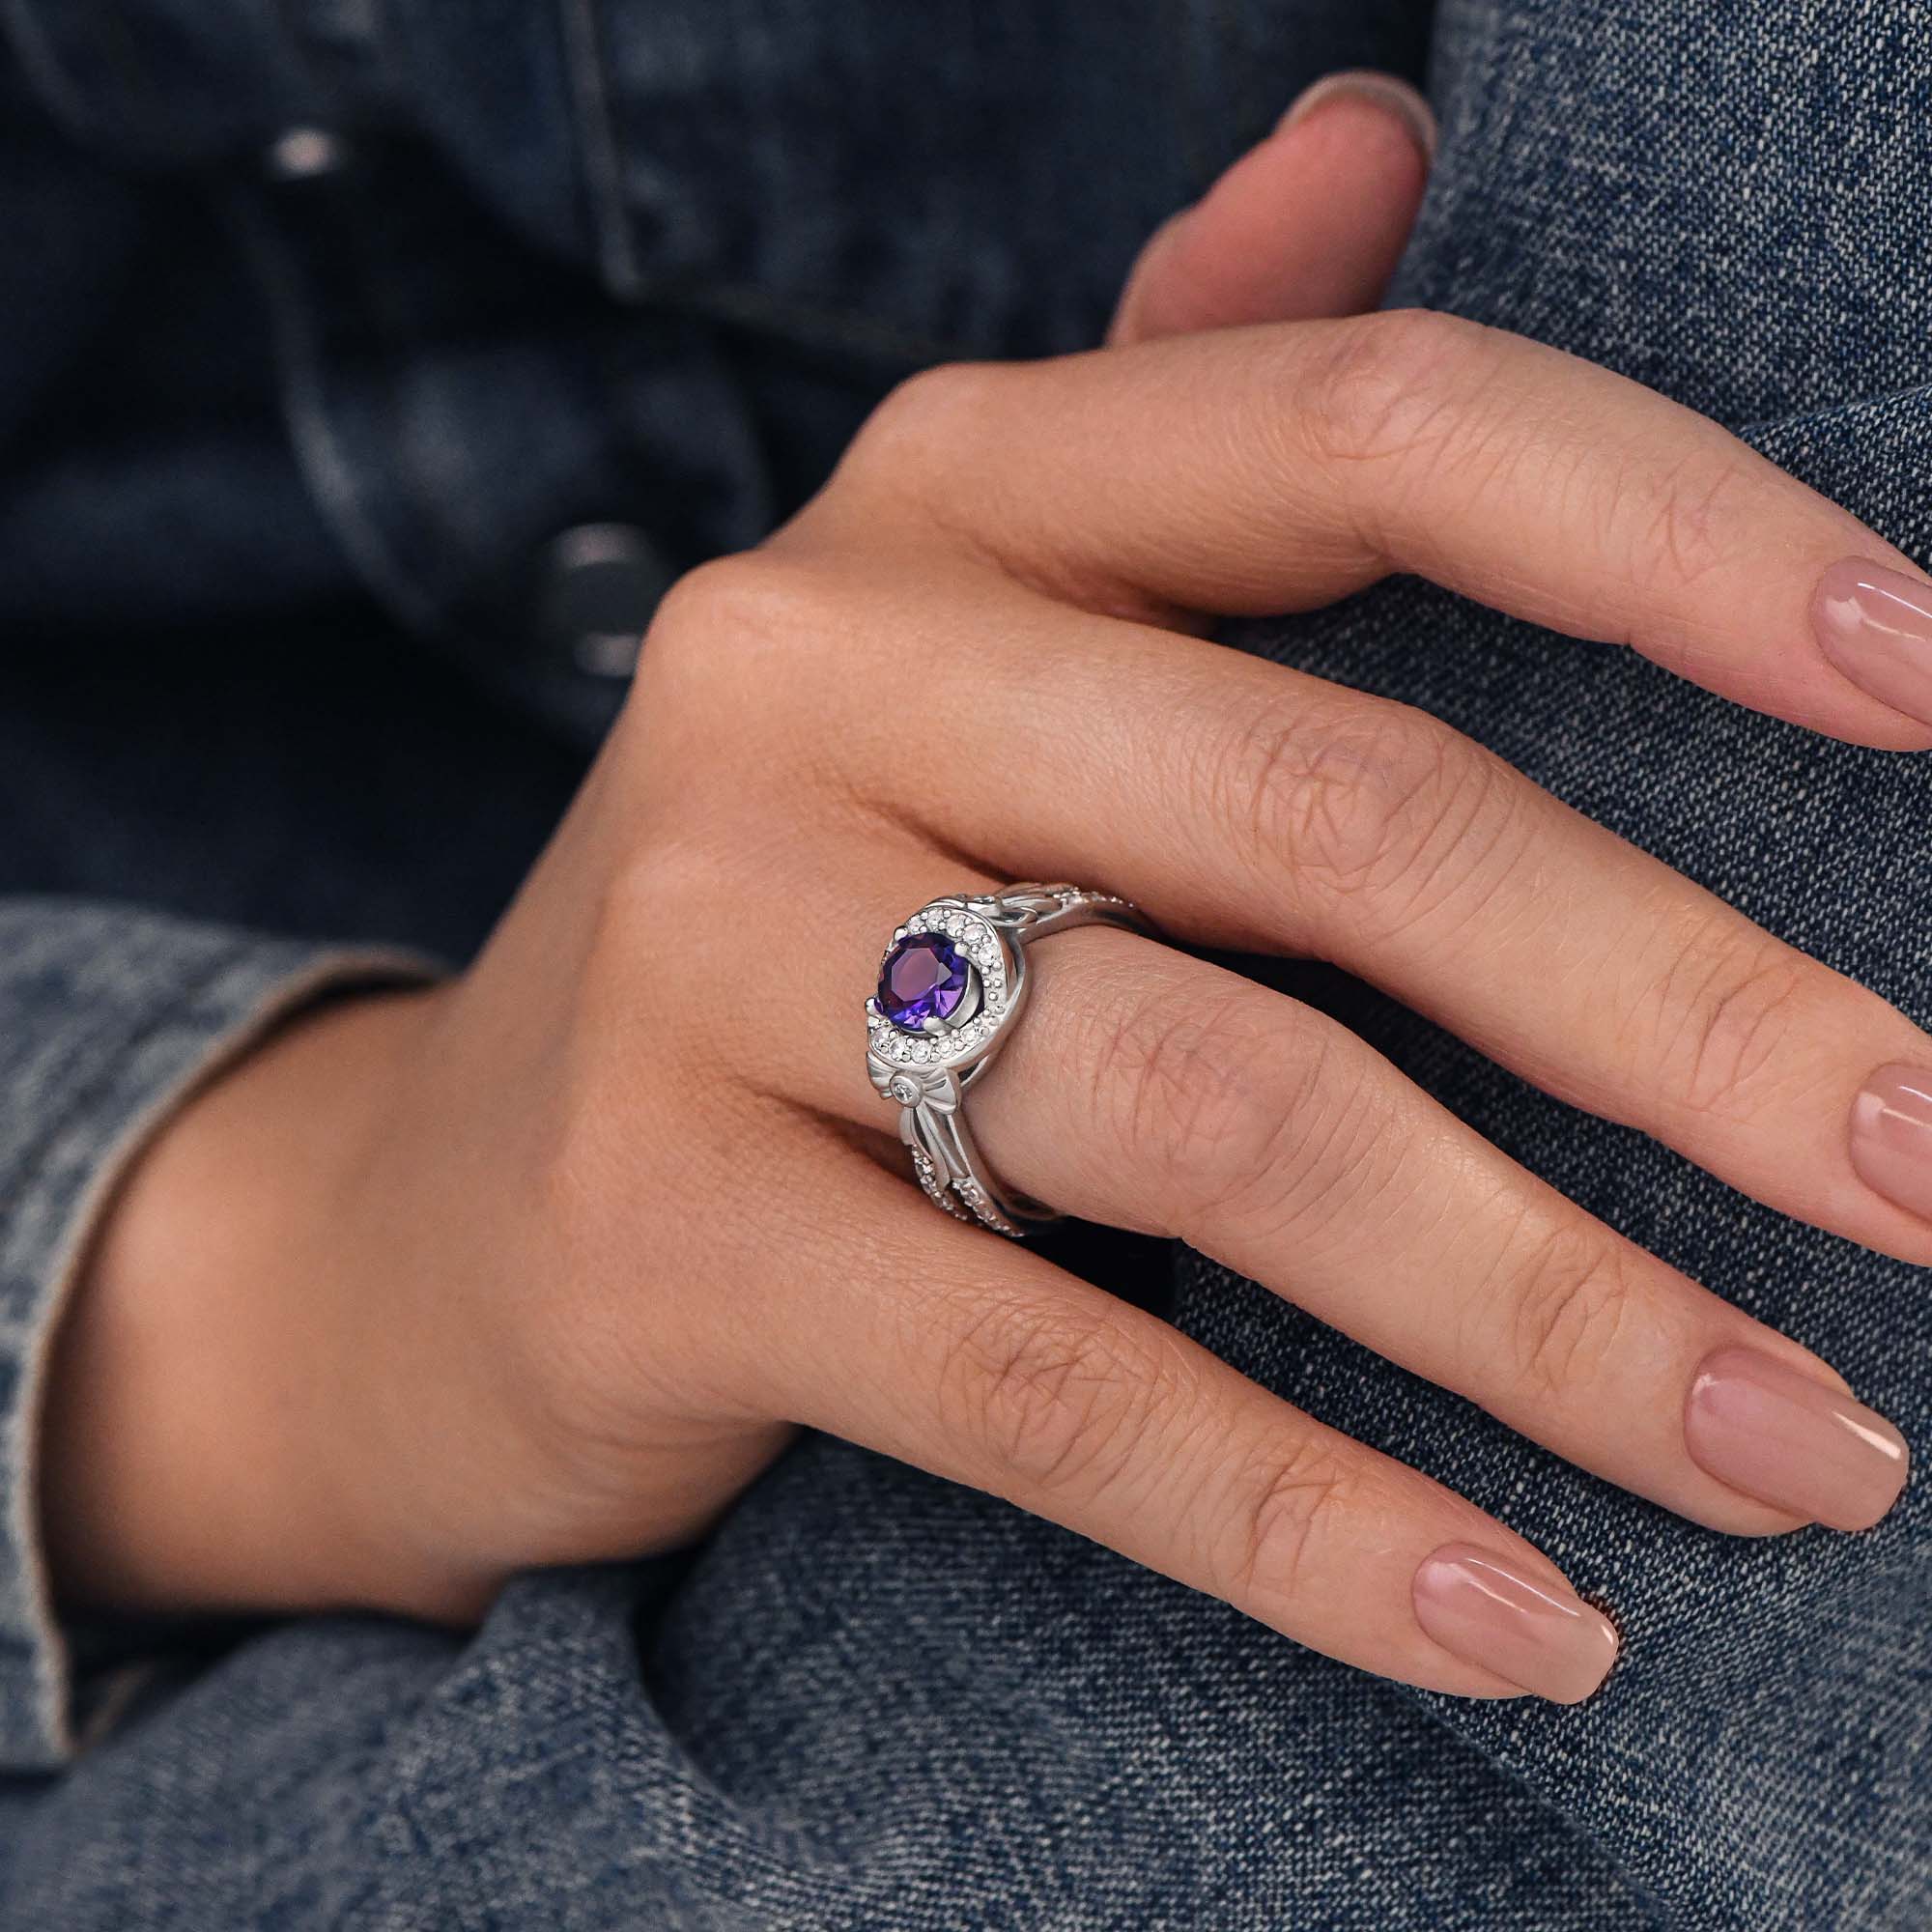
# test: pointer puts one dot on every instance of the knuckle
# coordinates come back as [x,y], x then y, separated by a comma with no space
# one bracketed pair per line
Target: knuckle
[1239,1099]
[1361,808]
[729,616]
[927,427]
[1728,1008]
[737,648]
[639,980]
[1694,523]
[1389,384]
[1570,1298]
[1053,1396]
[649,893]
[1195,1088]
[1285,1509]
[702,607]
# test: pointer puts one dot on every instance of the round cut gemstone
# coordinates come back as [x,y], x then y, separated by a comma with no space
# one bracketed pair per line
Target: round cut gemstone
[924,976]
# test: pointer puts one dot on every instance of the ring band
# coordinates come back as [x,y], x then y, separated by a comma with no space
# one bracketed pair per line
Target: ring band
[953,982]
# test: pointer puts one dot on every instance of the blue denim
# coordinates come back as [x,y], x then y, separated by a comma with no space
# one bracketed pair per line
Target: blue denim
[688,243]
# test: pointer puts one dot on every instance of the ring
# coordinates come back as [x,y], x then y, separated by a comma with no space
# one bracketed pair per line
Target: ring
[953,982]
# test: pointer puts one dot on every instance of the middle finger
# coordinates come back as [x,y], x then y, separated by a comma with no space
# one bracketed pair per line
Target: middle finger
[1254,808]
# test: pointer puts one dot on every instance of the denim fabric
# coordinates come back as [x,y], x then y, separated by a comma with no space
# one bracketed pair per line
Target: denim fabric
[665,234]
[1660,192]
[646,261]
[107,1017]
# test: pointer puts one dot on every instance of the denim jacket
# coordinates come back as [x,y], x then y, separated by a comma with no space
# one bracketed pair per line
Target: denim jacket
[368,368]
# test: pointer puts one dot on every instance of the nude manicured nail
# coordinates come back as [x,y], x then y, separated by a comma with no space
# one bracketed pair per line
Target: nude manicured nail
[1891,1136]
[1488,1611]
[1876,626]
[1384,90]
[1793,1441]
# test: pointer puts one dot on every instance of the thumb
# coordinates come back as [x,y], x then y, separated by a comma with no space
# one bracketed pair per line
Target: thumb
[1309,223]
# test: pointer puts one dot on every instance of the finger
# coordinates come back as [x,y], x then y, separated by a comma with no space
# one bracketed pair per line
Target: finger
[1308,223]
[1282,468]
[1153,1091]
[972,1358]
[1157,1092]
[1251,808]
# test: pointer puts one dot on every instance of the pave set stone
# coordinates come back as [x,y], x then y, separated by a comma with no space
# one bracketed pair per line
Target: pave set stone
[926,975]
[936,1190]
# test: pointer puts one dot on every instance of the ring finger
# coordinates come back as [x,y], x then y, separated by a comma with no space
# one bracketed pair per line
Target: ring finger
[1151,1089]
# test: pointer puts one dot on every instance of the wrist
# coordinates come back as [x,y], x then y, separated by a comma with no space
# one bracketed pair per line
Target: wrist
[201,1387]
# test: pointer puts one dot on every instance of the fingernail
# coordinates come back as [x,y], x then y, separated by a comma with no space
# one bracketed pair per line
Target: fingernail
[1540,1635]
[1876,626]
[1891,1136]
[1365,84]
[1793,1441]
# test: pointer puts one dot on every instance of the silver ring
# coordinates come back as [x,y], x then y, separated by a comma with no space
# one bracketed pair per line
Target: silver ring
[951,984]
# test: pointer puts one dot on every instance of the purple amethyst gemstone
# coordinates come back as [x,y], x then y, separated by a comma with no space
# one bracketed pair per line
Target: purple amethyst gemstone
[925,976]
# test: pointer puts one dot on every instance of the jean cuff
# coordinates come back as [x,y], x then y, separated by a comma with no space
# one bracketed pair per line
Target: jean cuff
[109,1023]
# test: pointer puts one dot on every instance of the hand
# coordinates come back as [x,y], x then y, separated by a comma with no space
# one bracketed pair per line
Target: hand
[543,1264]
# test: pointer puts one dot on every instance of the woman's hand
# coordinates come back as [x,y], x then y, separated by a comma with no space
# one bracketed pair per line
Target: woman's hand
[546,1263]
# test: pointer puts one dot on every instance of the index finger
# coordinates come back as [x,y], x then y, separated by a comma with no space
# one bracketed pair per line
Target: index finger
[1283,467]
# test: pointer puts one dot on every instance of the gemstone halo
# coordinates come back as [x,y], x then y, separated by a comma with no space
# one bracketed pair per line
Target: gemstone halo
[947,979]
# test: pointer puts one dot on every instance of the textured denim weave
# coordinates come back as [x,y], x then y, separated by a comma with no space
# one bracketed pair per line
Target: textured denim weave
[876,1701]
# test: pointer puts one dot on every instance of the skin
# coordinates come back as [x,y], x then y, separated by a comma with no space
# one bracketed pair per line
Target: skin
[546,1263]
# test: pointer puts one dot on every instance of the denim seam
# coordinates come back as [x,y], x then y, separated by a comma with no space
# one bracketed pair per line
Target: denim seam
[597,145]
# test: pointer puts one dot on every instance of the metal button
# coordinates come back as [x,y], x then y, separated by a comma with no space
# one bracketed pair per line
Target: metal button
[302,154]
[602,581]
